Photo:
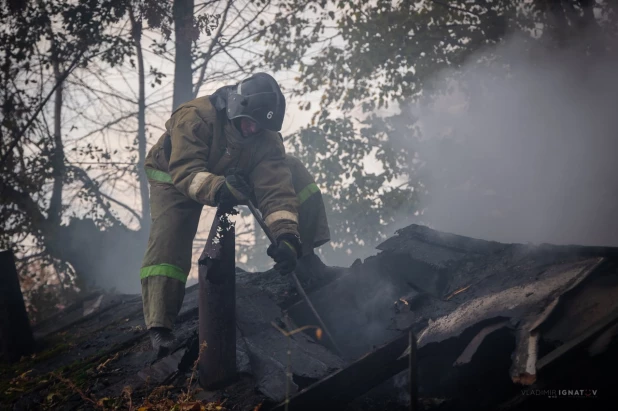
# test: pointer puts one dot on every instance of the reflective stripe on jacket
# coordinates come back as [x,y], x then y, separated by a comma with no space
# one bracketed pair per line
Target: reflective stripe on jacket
[204,145]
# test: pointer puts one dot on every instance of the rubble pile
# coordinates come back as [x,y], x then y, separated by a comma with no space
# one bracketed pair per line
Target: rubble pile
[498,326]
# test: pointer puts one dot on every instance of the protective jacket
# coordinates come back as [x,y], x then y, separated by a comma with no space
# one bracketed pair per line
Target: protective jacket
[186,168]
[200,145]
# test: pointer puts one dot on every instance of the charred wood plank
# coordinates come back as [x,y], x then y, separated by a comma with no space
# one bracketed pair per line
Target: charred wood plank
[217,306]
[587,336]
[16,337]
[412,371]
[447,241]
[340,388]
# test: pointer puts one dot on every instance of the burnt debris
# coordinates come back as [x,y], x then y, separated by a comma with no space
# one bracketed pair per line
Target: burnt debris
[498,326]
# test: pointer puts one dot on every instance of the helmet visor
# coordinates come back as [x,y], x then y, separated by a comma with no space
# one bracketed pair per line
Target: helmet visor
[260,107]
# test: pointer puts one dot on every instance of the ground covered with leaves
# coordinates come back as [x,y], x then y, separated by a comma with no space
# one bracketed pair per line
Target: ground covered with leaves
[94,364]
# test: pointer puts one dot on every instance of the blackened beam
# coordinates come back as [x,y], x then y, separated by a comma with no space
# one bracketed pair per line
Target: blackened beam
[16,337]
[585,337]
[551,361]
[342,387]
[217,305]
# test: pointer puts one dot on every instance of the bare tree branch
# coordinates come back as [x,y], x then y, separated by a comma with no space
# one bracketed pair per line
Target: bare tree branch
[136,29]
[208,53]
[123,205]
[90,184]
[38,110]
[54,212]
[450,6]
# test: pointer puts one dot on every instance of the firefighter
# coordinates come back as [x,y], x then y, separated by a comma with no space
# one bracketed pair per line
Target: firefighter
[221,150]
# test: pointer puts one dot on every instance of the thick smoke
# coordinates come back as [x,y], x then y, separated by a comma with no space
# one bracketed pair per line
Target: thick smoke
[532,156]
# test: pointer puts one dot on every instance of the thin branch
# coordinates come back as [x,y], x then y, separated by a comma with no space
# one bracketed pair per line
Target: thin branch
[25,259]
[111,163]
[85,178]
[449,6]
[208,54]
[200,7]
[107,125]
[38,110]
[224,49]
[95,91]
[230,41]
[123,205]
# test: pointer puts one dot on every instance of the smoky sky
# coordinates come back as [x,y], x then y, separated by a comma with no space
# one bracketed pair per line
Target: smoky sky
[526,157]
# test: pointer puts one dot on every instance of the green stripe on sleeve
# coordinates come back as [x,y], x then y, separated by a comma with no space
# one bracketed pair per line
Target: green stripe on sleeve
[307,192]
[158,175]
[166,270]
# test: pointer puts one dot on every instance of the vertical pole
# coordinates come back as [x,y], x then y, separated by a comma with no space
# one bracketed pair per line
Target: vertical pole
[15,333]
[217,312]
[412,372]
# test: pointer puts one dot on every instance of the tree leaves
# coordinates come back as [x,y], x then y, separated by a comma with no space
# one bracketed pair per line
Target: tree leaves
[378,59]
[66,36]
[379,54]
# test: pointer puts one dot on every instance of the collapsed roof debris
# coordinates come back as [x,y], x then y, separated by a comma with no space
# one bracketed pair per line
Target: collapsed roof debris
[467,298]
[490,319]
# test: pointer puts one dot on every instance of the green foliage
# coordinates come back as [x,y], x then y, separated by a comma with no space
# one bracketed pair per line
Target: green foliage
[43,44]
[369,62]
[362,57]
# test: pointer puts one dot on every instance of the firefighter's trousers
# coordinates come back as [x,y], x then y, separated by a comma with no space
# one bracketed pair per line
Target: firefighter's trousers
[174,221]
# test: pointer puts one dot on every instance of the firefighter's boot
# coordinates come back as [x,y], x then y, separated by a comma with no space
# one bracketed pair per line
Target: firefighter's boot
[162,340]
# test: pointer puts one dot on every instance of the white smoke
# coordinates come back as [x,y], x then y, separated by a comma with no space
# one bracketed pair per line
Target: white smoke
[532,156]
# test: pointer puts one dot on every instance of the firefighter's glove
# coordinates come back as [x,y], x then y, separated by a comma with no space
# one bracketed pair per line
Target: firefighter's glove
[234,190]
[285,253]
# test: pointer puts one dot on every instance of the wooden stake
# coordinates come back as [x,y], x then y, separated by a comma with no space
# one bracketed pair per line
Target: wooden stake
[15,333]
[412,372]
[217,309]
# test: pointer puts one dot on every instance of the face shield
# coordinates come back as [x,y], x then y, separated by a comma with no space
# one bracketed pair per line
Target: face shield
[258,99]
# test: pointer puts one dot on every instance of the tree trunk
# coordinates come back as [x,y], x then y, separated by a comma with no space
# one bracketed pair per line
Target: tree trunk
[57,160]
[208,54]
[108,259]
[183,30]
[136,29]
